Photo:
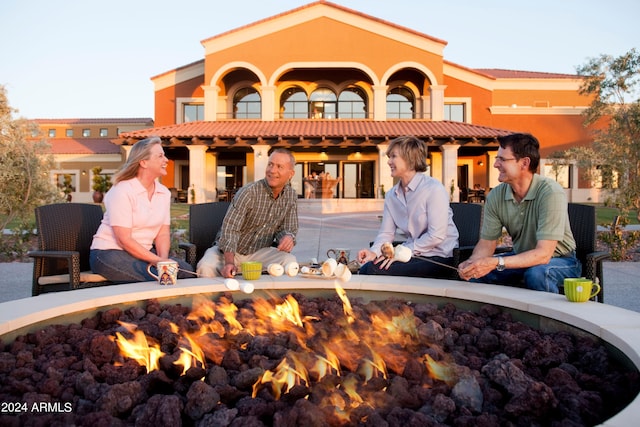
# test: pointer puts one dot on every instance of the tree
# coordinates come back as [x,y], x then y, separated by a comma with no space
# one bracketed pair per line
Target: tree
[24,167]
[615,111]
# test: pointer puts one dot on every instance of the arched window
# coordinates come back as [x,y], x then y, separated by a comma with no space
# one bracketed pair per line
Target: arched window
[246,104]
[352,104]
[294,104]
[323,104]
[400,103]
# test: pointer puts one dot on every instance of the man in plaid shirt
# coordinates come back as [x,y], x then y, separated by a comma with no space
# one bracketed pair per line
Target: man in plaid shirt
[261,223]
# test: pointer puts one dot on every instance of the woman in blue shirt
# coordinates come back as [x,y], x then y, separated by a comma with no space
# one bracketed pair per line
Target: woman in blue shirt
[417,206]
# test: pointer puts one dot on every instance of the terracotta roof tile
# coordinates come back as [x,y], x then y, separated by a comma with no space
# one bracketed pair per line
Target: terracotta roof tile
[83,146]
[318,128]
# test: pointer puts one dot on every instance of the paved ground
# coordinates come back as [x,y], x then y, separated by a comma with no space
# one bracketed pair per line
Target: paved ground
[353,231]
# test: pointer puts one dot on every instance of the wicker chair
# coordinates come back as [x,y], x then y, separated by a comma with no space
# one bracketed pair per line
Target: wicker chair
[583,225]
[65,232]
[205,220]
[468,218]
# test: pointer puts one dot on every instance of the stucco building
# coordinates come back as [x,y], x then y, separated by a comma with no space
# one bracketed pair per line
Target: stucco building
[334,86]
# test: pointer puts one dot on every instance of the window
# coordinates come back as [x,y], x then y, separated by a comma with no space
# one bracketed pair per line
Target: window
[52,133]
[351,104]
[69,133]
[604,177]
[86,133]
[454,112]
[400,103]
[103,132]
[294,104]
[246,104]
[192,112]
[323,104]
[561,172]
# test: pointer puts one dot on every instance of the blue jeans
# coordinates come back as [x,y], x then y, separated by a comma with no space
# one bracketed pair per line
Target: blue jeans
[416,267]
[543,277]
[120,267]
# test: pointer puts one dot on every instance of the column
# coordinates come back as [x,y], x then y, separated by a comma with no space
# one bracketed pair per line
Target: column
[425,108]
[493,172]
[450,170]
[268,103]
[437,102]
[210,103]
[197,172]
[384,175]
[261,158]
[380,103]
[436,165]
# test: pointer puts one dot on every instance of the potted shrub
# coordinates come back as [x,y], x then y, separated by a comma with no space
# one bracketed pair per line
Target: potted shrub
[66,187]
[101,184]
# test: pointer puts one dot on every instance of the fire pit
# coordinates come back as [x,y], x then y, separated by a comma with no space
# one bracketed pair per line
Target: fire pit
[364,381]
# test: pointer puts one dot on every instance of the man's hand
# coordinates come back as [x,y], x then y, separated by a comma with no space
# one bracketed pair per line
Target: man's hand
[228,270]
[286,243]
[474,269]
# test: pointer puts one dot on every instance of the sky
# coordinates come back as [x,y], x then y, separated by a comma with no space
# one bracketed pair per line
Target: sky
[95,59]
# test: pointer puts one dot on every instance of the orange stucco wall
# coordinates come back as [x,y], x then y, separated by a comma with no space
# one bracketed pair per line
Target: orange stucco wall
[531,98]
[555,133]
[165,105]
[320,40]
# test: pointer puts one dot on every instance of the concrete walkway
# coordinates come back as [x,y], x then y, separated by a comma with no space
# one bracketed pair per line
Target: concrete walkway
[353,231]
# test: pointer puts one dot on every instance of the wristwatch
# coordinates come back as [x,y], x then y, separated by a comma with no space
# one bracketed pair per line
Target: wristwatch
[500,266]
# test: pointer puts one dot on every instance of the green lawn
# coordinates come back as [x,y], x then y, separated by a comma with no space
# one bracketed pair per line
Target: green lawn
[605,215]
[180,214]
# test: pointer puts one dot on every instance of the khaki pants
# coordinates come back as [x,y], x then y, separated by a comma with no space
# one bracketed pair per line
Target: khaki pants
[212,261]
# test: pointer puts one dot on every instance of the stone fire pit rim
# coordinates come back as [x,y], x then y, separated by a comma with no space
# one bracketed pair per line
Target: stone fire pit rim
[616,326]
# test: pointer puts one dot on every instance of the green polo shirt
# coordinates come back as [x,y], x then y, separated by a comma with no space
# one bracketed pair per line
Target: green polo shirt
[541,215]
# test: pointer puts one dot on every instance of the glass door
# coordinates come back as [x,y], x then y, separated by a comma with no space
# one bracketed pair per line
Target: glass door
[358,180]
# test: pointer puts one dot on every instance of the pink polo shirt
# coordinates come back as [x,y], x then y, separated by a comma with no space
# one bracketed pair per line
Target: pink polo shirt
[128,206]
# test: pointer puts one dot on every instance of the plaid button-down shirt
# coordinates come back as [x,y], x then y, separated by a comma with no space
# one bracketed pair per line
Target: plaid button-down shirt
[256,219]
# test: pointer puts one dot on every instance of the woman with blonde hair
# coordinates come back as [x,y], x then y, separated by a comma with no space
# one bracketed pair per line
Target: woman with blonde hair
[135,230]
[417,206]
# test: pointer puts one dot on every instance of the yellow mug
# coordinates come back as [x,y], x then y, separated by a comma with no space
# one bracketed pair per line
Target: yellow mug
[580,289]
[251,270]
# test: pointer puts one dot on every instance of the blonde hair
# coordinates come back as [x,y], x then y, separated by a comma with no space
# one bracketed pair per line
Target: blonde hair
[141,151]
[412,150]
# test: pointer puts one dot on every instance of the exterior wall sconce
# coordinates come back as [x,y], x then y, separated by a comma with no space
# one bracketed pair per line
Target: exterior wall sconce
[259,154]
[84,173]
[480,163]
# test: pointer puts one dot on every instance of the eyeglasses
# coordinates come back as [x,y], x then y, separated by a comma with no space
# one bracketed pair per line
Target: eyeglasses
[502,159]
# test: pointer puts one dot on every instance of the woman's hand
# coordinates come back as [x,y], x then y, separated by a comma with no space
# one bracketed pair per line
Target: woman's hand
[365,255]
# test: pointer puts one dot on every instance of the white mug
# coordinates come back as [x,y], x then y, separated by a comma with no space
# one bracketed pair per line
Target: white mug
[343,273]
[329,266]
[167,272]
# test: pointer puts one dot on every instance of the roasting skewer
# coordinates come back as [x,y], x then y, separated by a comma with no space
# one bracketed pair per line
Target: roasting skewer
[403,254]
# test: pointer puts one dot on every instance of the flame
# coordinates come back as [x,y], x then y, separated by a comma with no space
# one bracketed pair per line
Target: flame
[326,364]
[138,347]
[372,366]
[228,311]
[285,377]
[191,354]
[344,350]
[346,304]
[440,370]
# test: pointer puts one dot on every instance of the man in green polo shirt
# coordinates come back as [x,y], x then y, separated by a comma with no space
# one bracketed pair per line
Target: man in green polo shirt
[533,210]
